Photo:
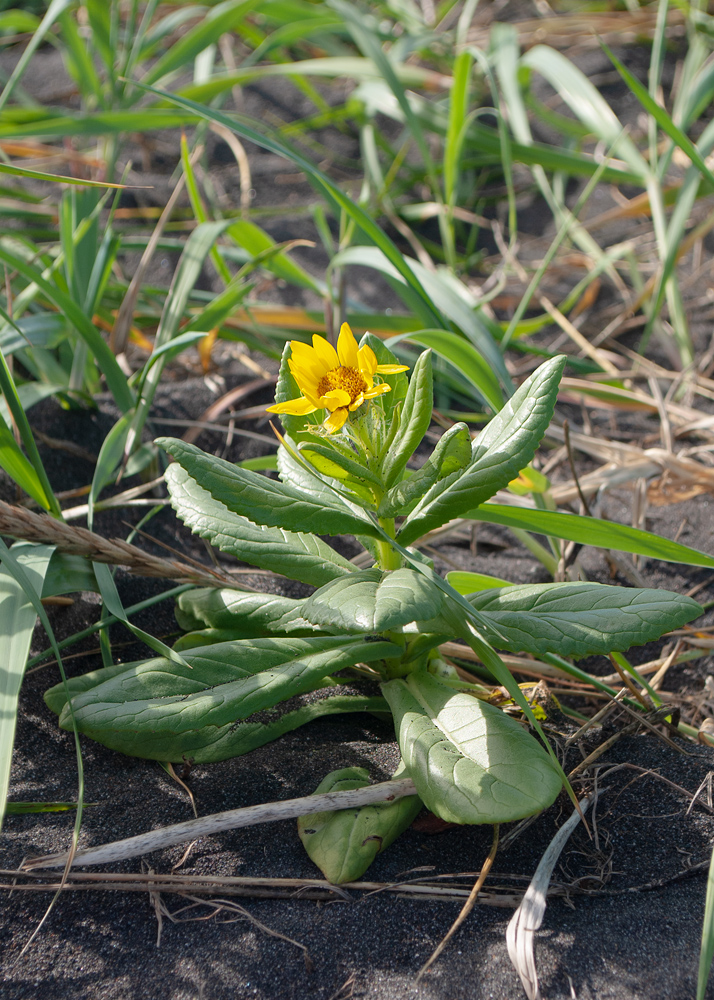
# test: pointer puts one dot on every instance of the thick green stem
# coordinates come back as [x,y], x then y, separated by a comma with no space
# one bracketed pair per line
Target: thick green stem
[389,558]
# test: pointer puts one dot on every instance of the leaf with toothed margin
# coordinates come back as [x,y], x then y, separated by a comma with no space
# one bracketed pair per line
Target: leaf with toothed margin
[297,555]
[266,501]
[578,619]
[505,447]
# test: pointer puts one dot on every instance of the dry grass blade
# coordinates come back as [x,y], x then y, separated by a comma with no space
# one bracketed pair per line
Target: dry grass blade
[218,906]
[529,915]
[122,324]
[385,791]
[585,30]
[250,887]
[467,907]
[21,523]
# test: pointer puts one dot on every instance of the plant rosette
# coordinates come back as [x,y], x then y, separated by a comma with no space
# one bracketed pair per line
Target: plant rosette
[253,666]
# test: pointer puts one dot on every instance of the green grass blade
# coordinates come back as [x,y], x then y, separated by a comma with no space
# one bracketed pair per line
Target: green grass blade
[464,357]
[198,247]
[116,379]
[39,175]
[222,18]
[661,117]
[55,9]
[587,104]
[592,531]
[198,207]
[9,391]
[26,808]
[707,950]
[369,44]
[323,184]
[17,623]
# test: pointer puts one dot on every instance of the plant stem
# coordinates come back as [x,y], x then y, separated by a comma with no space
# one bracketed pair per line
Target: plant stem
[389,558]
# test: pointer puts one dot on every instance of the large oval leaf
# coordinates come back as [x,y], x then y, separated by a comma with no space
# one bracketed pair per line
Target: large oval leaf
[344,844]
[151,708]
[576,619]
[470,762]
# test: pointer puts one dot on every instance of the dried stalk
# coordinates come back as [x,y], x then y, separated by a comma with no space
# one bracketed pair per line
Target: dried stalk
[385,791]
[21,523]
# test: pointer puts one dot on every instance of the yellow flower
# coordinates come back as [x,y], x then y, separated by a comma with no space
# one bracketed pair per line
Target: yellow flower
[335,380]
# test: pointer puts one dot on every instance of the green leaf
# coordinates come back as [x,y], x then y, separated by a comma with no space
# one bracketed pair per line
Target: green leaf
[591,531]
[469,583]
[707,949]
[470,762]
[373,601]
[506,445]
[17,623]
[25,808]
[219,20]
[14,405]
[577,619]
[297,555]
[415,420]
[256,241]
[452,453]
[399,383]
[66,574]
[462,354]
[39,175]
[16,464]
[159,710]
[343,844]
[221,683]
[264,501]
[246,615]
[330,462]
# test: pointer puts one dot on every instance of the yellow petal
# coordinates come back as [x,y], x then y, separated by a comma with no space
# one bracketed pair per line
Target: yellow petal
[391,369]
[334,398]
[326,353]
[377,390]
[367,360]
[357,402]
[336,420]
[304,377]
[347,348]
[305,358]
[298,407]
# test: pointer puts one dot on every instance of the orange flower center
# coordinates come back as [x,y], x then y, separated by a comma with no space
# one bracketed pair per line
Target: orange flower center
[347,379]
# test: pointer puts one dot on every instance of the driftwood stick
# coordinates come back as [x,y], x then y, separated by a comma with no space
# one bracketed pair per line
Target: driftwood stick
[385,791]
[18,522]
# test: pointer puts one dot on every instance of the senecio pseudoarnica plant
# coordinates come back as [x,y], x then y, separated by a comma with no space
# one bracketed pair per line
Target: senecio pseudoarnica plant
[254,666]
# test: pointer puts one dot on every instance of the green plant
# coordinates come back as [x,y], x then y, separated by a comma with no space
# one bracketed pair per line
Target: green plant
[246,654]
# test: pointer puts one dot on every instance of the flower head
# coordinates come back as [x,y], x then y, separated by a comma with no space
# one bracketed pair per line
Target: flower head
[335,380]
